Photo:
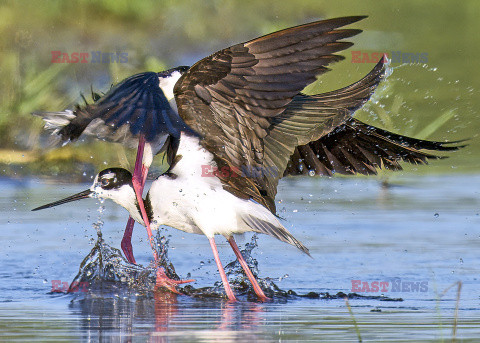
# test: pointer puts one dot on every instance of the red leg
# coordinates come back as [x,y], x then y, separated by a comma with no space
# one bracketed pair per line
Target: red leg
[137,171]
[243,263]
[127,236]
[127,241]
[144,175]
[226,285]
[139,177]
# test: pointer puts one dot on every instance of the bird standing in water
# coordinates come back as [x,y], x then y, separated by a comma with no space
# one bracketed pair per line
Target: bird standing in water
[135,117]
[236,122]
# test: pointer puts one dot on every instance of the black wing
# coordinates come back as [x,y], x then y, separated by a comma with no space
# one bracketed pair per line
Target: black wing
[135,106]
[358,148]
[232,97]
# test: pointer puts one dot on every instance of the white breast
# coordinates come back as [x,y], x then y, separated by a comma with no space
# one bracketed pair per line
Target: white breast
[196,203]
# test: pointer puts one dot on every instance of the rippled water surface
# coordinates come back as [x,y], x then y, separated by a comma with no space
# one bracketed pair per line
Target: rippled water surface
[421,233]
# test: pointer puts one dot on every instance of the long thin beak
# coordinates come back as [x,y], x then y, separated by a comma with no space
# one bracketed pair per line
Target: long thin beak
[78,196]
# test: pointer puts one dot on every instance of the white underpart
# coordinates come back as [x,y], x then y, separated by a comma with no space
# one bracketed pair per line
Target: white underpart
[194,203]
[148,154]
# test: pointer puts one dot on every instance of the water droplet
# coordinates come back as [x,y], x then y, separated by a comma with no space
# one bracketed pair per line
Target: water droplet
[436,215]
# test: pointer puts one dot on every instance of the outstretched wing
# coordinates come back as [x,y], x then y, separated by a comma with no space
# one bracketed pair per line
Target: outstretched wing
[232,97]
[357,148]
[135,106]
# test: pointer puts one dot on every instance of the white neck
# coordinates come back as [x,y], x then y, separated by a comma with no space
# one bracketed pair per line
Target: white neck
[125,197]
[193,158]
[168,83]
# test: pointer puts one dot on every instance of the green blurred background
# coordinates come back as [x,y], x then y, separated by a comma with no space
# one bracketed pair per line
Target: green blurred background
[437,100]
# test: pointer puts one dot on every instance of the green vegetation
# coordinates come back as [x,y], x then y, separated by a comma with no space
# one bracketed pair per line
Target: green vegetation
[422,101]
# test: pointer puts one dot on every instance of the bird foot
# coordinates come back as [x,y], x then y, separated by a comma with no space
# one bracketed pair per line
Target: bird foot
[164,281]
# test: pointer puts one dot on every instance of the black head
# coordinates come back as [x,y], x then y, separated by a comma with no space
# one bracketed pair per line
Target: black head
[109,184]
[113,178]
[166,73]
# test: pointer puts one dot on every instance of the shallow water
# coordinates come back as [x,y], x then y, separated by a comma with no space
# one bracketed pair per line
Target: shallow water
[421,229]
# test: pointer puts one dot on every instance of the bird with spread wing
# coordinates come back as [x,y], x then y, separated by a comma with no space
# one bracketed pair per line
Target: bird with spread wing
[238,110]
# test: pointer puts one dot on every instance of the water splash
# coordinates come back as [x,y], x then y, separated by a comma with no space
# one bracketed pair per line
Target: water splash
[162,245]
[98,224]
[105,268]
[108,273]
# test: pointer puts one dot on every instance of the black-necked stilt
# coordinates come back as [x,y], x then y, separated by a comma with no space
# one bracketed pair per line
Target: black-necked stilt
[233,124]
[138,112]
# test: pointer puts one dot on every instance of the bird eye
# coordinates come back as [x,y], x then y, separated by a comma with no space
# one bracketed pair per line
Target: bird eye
[105,182]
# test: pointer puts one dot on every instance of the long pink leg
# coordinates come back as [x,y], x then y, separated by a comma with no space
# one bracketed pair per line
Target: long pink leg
[226,285]
[127,241]
[139,177]
[243,263]
[127,236]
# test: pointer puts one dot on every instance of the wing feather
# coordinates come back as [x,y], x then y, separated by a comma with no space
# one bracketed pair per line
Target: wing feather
[135,106]
[233,97]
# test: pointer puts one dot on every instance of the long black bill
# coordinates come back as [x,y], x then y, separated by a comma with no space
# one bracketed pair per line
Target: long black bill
[78,196]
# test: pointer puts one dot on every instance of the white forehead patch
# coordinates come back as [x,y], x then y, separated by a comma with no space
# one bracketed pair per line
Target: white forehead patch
[109,175]
[168,82]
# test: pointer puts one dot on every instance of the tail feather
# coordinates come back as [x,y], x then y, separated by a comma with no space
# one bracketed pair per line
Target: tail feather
[55,121]
[275,230]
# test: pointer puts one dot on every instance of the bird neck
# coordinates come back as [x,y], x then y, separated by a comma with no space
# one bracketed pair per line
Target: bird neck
[125,197]
[191,157]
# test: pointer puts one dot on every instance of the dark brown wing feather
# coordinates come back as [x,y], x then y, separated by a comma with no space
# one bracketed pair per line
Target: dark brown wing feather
[246,103]
[233,96]
[358,148]
[309,117]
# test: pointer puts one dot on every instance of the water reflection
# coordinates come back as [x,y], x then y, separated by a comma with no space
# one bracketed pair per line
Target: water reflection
[164,317]
[352,237]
